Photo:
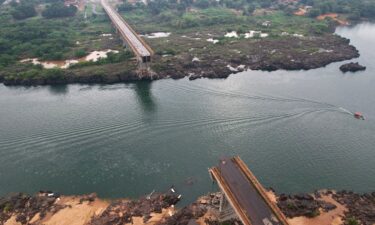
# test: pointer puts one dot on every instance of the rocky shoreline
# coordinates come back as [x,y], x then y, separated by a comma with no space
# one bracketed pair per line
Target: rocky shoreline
[344,207]
[291,53]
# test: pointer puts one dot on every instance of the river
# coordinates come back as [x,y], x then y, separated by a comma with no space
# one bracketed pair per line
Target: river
[125,140]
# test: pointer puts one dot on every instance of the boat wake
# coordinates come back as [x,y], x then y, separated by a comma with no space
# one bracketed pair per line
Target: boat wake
[261,97]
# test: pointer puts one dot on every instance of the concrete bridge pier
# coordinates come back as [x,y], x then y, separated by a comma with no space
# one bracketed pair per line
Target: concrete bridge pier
[226,211]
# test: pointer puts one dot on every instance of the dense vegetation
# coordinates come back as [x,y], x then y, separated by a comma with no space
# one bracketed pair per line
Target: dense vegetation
[23,10]
[25,35]
[58,9]
[36,38]
[353,8]
[49,30]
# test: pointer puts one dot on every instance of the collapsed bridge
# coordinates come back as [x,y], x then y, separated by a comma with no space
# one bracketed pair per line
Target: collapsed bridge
[245,194]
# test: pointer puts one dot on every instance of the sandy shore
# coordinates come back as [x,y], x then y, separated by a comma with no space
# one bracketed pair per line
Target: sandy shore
[52,209]
[77,212]
[333,217]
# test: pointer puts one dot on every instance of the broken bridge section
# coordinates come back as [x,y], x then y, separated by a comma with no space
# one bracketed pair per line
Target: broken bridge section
[245,194]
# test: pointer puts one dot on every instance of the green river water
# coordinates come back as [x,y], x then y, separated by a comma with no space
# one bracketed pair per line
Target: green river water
[293,129]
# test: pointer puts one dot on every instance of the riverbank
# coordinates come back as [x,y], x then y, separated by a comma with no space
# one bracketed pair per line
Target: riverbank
[219,61]
[320,208]
[199,42]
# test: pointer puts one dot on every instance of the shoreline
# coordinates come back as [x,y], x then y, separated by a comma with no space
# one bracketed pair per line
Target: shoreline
[321,208]
[265,55]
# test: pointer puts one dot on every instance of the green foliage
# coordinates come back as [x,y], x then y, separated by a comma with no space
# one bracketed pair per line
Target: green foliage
[28,74]
[8,207]
[58,10]
[111,58]
[6,60]
[313,214]
[126,7]
[38,72]
[352,221]
[320,28]
[80,53]
[54,73]
[202,3]
[168,51]
[36,38]
[206,17]
[23,10]
[291,206]
[355,8]
[314,12]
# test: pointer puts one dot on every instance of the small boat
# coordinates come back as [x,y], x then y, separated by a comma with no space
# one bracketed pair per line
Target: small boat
[358,115]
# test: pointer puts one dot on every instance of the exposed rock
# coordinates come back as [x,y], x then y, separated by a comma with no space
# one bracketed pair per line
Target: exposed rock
[183,216]
[123,211]
[360,207]
[302,205]
[26,207]
[352,67]
[288,53]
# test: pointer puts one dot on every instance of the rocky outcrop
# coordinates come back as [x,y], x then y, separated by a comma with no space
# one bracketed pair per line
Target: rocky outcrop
[70,78]
[185,215]
[288,53]
[25,207]
[361,207]
[352,67]
[302,205]
[267,55]
[123,211]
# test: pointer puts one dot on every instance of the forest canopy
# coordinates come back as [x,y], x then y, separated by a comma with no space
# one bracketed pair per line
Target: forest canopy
[58,9]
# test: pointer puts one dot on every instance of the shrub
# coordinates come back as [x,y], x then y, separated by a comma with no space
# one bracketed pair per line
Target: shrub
[352,221]
[23,10]
[57,10]
[80,53]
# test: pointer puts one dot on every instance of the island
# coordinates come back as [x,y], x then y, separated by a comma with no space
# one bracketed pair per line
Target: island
[352,67]
[60,42]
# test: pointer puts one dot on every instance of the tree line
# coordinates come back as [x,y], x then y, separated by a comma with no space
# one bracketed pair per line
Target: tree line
[354,8]
[55,9]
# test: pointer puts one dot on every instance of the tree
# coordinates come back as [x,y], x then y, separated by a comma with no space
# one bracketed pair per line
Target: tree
[58,9]
[202,3]
[23,10]
[125,7]
[314,12]
[352,221]
[6,60]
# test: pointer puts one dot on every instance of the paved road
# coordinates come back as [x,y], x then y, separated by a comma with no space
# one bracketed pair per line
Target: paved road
[246,194]
[124,29]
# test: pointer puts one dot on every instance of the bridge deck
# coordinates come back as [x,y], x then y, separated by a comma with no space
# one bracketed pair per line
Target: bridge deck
[139,47]
[245,194]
